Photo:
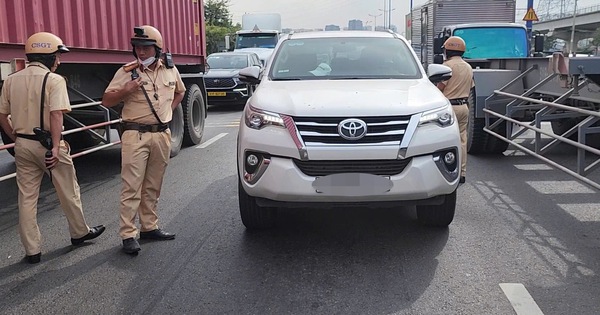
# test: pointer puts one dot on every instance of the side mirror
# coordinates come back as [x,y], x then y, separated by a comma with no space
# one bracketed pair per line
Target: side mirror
[438,59]
[438,42]
[438,73]
[250,75]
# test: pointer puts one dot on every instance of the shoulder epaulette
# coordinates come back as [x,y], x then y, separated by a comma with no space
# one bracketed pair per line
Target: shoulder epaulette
[130,66]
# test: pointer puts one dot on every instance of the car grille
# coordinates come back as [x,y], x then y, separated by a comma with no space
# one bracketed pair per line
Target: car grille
[219,82]
[388,130]
[375,167]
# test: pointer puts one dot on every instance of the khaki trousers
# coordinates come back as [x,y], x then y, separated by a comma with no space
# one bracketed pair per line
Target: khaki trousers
[144,160]
[462,115]
[29,159]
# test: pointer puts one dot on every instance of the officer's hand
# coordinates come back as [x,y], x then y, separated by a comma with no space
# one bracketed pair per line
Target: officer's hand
[52,161]
[132,85]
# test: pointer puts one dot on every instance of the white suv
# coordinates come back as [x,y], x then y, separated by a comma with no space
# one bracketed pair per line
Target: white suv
[347,119]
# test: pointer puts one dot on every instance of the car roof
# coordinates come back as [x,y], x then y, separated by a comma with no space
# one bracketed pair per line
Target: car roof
[338,34]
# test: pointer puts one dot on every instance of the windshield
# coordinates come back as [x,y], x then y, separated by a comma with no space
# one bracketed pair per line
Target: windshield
[256,41]
[227,61]
[344,58]
[494,42]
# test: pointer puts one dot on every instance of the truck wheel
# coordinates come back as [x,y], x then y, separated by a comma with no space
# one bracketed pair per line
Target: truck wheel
[561,126]
[194,113]
[7,140]
[253,215]
[476,137]
[438,215]
[479,141]
[176,126]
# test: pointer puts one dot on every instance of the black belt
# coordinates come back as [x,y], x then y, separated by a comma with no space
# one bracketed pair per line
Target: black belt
[458,101]
[29,137]
[144,128]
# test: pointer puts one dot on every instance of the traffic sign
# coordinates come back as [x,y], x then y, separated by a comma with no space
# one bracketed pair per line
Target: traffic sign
[530,15]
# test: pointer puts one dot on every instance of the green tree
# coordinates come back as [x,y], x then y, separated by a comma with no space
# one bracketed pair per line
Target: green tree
[218,25]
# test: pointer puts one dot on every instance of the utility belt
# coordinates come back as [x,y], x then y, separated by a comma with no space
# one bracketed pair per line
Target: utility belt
[28,137]
[144,128]
[459,101]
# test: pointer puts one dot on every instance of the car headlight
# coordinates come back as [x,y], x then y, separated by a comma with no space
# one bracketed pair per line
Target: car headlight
[443,116]
[257,119]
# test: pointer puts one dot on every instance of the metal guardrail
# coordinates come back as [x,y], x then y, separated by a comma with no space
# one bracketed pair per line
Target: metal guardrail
[548,111]
[106,139]
[563,15]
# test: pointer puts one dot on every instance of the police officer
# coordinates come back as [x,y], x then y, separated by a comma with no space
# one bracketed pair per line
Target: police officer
[457,90]
[150,89]
[37,97]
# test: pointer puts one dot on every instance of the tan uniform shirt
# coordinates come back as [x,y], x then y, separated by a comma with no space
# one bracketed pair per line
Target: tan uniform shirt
[162,81]
[459,86]
[21,96]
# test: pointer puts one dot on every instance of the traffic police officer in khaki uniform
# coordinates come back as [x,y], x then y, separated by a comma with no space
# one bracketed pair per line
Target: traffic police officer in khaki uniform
[24,94]
[150,89]
[457,90]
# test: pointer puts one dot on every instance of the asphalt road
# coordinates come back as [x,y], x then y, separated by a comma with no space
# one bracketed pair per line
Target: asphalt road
[525,240]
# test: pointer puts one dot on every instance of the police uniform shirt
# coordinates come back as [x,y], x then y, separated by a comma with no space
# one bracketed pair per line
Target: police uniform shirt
[21,96]
[162,82]
[459,86]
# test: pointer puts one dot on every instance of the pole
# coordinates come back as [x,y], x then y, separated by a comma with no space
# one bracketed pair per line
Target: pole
[571,52]
[529,25]
[390,14]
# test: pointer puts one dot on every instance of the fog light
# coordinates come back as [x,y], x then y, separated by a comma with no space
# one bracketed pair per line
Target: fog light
[449,158]
[252,160]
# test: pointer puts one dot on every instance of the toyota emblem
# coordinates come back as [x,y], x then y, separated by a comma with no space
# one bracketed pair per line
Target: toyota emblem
[352,129]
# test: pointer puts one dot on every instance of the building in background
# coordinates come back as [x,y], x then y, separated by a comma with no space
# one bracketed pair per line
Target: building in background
[332,27]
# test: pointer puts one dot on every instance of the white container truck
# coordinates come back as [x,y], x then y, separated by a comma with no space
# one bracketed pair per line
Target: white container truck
[259,34]
[487,26]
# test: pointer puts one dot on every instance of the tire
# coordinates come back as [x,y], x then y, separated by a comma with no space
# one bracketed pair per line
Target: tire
[7,140]
[479,141]
[176,126]
[561,126]
[253,215]
[194,114]
[438,215]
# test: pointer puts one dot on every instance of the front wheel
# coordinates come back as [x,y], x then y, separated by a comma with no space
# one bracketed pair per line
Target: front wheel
[438,215]
[253,215]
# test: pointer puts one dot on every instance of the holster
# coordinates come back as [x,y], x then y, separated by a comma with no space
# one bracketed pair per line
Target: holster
[44,137]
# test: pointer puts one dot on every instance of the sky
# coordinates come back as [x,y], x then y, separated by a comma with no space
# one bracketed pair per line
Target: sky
[310,14]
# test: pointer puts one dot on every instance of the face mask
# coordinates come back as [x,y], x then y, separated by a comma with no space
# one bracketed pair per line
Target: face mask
[148,61]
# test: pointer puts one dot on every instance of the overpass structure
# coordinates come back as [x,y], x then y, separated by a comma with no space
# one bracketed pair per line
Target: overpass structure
[587,21]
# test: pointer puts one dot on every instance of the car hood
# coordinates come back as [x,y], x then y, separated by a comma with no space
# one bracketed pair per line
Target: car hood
[347,97]
[263,53]
[222,73]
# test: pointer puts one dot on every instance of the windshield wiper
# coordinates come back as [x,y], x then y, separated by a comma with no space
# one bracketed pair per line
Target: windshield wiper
[287,79]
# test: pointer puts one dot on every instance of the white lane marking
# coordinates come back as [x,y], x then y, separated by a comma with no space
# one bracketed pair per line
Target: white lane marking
[520,299]
[211,141]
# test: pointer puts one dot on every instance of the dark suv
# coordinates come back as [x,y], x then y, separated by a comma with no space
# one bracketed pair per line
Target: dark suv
[222,82]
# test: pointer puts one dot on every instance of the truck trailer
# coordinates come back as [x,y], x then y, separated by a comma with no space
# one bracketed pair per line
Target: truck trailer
[98,34]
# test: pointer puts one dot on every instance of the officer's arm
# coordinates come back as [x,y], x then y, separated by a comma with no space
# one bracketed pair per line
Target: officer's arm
[5,125]
[177,99]
[441,86]
[114,97]
[119,88]
[56,126]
